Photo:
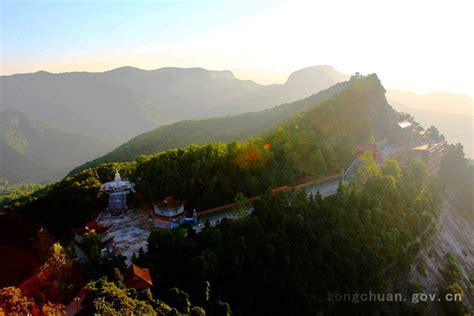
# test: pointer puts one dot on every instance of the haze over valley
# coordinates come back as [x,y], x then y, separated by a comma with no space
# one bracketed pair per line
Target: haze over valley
[129,101]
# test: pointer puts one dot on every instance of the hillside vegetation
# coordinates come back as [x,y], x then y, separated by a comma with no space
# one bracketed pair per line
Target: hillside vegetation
[31,150]
[291,252]
[113,106]
[222,129]
[318,142]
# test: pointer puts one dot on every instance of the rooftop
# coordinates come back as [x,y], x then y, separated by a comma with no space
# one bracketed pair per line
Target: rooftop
[404,124]
[141,273]
[169,204]
[92,226]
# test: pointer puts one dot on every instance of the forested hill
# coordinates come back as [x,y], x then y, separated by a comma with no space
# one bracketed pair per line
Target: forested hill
[31,150]
[318,142]
[222,129]
[292,251]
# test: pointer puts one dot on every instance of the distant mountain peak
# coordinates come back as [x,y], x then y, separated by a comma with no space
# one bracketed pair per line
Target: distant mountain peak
[222,74]
[318,72]
[124,69]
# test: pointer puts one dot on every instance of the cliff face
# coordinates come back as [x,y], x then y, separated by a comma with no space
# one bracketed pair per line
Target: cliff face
[456,237]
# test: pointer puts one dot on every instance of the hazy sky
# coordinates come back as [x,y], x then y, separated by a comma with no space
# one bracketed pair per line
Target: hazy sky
[416,45]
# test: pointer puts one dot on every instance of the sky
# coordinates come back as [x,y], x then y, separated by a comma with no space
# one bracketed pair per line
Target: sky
[420,46]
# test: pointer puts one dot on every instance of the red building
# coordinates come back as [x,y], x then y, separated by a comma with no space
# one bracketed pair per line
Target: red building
[91,226]
[137,278]
[168,213]
[107,243]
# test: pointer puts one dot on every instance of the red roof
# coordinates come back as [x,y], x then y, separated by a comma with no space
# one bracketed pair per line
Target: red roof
[169,203]
[138,278]
[169,200]
[92,225]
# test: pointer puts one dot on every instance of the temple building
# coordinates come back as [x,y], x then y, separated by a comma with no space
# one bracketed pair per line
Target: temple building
[107,243]
[168,213]
[118,190]
[432,153]
[138,278]
[406,131]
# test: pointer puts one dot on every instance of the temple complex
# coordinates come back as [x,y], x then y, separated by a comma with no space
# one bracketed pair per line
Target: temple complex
[168,213]
[432,153]
[118,190]
[406,131]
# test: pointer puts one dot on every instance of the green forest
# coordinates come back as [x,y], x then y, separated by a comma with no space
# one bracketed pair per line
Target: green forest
[221,129]
[292,251]
[315,143]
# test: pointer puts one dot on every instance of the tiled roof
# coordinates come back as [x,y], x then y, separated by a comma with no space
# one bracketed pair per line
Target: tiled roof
[141,273]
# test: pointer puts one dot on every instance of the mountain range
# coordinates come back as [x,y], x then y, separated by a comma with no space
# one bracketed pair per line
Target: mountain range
[31,149]
[145,111]
[114,106]
[455,121]
[122,103]
[220,129]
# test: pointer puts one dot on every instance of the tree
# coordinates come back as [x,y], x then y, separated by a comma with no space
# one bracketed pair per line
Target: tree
[455,306]
[368,168]
[12,301]
[53,309]
[434,133]
[242,204]
[222,309]
[179,300]
[197,311]
[91,245]
[118,278]
[391,168]
[106,298]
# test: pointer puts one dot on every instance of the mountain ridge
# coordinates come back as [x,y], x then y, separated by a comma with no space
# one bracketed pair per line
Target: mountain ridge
[225,129]
[32,150]
[139,100]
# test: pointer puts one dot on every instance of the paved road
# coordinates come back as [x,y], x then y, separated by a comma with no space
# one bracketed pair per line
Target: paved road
[325,189]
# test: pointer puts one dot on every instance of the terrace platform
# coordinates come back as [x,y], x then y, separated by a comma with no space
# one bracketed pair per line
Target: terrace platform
[129,230]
